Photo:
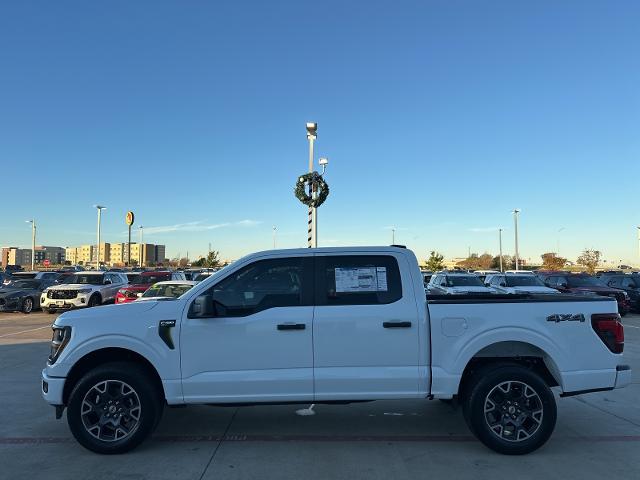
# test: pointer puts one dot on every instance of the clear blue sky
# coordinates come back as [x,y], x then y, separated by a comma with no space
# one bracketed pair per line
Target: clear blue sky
[438,117]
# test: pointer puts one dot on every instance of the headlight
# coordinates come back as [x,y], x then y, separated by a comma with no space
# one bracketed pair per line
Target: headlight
[84,290]
[59,341]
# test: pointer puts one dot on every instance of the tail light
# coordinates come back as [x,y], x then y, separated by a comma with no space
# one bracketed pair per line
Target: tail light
[608,327]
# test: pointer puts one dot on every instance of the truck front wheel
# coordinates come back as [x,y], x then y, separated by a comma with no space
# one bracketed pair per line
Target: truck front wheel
[510,409]
[113,408]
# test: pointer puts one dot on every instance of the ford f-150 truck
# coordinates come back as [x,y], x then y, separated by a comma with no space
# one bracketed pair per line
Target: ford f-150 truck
[331,325]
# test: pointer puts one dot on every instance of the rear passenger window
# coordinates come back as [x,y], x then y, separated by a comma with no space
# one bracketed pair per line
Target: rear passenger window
[358,280]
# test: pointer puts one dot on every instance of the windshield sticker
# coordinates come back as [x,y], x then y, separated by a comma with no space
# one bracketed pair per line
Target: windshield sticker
[361,279]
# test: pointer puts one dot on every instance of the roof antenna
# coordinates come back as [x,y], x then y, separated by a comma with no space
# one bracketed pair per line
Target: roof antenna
[305,412]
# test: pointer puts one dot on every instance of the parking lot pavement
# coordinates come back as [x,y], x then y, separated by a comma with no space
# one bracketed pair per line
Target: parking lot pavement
[598,435]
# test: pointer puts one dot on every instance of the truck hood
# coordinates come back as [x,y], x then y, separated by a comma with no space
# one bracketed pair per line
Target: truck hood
[469,289]
[104,313]
[533,289]
[74,286]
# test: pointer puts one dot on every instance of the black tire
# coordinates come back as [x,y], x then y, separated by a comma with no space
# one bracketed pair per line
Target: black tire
[141,396]
[519,403]
[27,305]
[94,300]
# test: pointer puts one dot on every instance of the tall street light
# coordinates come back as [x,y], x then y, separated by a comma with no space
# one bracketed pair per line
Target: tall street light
[516,212]
[312,134]
[274,236]
[33,243]
[500,243]
[141,230]
[100,208]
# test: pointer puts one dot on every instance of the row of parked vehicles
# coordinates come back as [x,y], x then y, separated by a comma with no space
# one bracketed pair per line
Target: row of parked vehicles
[624,287]
[63,290]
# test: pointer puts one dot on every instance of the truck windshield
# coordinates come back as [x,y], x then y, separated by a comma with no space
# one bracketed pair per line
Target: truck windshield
[524,281]
[464,281]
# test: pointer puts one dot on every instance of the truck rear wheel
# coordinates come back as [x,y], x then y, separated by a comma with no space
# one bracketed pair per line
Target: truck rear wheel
[113,408]
[510,409]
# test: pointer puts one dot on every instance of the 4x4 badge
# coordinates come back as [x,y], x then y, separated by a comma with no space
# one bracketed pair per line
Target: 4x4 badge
[565,317]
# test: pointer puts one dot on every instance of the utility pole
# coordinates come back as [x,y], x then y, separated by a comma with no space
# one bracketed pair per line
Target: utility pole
[100,208]
[274,237]
[516,212]
[393,235]
[500,243]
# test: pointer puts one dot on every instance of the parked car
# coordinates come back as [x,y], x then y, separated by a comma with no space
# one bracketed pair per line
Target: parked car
[456,284]
[512,283]
[22,295]
[586,284]
[131,276]
[331,325]
[482,274]
[628,283]
[46,276]
[169,289]
[129,293]
[83,289]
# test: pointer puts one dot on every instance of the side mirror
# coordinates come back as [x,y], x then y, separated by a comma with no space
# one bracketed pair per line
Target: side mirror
[563,285]
[202,306]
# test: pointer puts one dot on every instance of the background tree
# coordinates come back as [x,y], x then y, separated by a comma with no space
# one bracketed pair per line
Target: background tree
[434,262]
[590,259]
[476,262]
[508,263]
[551,261]
[184,261]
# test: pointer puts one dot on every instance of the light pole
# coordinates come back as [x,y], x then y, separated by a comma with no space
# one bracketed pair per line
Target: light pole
[274,236]
[500,243]
[516,212]
[33,243]
[393,235]
[312,134]
[638,240]
[100,208]
[558,242]
[141,230]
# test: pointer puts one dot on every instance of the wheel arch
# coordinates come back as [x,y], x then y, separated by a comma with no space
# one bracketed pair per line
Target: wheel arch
[106,355]
[513,352]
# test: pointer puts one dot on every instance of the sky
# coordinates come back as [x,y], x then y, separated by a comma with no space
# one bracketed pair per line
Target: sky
[438,118]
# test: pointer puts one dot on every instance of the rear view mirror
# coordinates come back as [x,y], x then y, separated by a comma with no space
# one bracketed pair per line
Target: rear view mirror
[202,306]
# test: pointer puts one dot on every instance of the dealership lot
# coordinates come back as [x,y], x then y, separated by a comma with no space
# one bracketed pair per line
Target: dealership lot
[597,434]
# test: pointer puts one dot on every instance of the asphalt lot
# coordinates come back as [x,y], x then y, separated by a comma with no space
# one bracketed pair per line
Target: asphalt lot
[597,435]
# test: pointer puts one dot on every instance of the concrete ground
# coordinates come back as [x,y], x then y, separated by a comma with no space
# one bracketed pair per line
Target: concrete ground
[597,435]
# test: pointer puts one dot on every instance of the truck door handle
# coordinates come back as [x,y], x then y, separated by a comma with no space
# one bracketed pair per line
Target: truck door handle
[396,324]
[164,330]
[291,326]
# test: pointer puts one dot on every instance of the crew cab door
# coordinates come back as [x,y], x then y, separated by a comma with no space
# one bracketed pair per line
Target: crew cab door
[365,328]
[248,337]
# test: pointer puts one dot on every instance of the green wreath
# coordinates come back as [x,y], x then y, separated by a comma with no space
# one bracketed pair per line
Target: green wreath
[322,189]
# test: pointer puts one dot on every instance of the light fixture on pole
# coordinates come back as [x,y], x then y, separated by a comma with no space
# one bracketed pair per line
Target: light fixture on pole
[500,243]
[516,213]
[33,243]
[100,208]
[274,236]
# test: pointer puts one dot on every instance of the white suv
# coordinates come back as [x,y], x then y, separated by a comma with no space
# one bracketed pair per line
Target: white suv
[83,289]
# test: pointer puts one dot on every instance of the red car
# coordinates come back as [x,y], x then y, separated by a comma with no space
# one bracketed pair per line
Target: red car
[142,282]
[585,284]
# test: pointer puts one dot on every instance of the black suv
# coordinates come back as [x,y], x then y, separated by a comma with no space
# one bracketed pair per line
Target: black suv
[628,283]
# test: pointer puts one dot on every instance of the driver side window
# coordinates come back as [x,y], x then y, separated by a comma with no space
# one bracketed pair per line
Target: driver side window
[282,282]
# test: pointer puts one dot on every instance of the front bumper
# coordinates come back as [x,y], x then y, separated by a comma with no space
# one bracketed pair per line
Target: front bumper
[52,389]
[64,304]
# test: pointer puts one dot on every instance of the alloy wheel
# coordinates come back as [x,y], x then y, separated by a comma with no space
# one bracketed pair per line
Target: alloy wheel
[111,410]
[513,410]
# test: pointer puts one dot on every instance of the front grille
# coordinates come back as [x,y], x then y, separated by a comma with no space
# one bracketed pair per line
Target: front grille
[62,294]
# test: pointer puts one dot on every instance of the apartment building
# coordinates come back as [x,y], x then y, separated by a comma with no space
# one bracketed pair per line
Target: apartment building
[16,256]
[55,255]
[117,254]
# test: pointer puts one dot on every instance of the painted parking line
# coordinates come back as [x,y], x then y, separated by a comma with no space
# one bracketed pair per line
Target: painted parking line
[316,438]
[24,331]
[626,325]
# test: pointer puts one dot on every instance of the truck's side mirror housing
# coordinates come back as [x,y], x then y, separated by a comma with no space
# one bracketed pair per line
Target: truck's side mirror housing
[202,306]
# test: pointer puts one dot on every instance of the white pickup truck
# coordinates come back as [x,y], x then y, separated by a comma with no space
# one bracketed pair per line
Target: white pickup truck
[331,325]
